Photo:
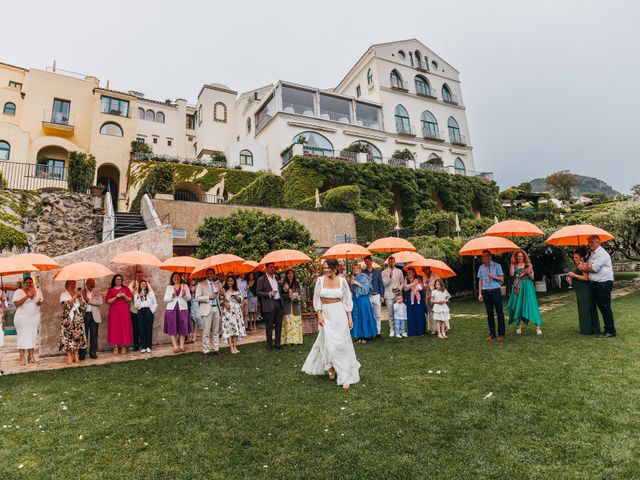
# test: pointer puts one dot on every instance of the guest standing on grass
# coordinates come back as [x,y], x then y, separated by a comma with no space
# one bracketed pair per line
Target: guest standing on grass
[27,319]
[490,277]
[292,310]
[392,279]
[269,291]
[587,309]
[440,306]
[119,329]
[364,323]
[92,317]
[176,315]
[376,292]
[4,305]
[523,304]
[399,316]
[195,319]
[72,336]
[428,280]
[146,304]
[252,301]
[415,311]
[209,300]
[333,350]
[600,273]
[135,321]
[242,286]
[232,318]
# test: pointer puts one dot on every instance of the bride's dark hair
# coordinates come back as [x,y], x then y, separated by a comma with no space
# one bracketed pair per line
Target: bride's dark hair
[332,263]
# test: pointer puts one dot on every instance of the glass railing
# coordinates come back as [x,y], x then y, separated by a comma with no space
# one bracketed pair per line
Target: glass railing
[58,118]
[404,129]
[457,138]
[369,123]
[399,84]
[297,109]
[335,116]
[432,133]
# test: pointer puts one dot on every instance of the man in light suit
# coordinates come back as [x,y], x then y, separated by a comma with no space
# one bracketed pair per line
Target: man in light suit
[92,318]
[207,296]
[269,291]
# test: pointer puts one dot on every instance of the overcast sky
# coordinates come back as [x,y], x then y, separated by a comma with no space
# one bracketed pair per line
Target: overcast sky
[548,85]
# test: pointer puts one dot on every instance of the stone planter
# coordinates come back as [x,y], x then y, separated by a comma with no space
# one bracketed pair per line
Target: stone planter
[309,322]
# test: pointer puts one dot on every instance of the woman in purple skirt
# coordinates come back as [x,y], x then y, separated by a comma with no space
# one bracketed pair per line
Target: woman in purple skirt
[176,316]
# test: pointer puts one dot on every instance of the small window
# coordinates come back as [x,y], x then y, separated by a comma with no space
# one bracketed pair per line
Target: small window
[396,80]
[17,85]
[246,157]
[160,117]
[9,108]
[459,166]
[446,93]
[434,64]
[155,140]
[114,106]
[5,150]
[150,116]
[369,77]
[220,112]
[140,113]
[140,140]
[169,143]
[112,129]
[402,55]
[191,121]
[248,125]
[422,85]
[200,115]
[358,91]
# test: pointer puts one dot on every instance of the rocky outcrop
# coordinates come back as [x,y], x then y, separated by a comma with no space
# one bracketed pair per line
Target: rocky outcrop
[62,222]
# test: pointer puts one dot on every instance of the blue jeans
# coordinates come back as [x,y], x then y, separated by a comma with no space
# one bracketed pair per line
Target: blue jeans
[399,326]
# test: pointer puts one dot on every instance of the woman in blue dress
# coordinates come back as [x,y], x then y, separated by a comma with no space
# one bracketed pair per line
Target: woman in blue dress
[416,324]
[364,323]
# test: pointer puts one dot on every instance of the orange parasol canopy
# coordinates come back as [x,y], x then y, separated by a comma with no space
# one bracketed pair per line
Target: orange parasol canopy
[82,271]
[391,244]
[493,244]
[436,266]
[406,257]
[575,235]
[373,264]
[136,257]
[14,265]
[40,261]
[346,250]
[514,228]
[180,264]
[221,263]
[285,258]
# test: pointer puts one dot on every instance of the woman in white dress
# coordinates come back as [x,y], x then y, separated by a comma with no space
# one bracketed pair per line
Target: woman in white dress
[27,319]
[333,350]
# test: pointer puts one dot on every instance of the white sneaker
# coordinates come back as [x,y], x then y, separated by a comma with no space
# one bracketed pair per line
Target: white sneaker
[405,335]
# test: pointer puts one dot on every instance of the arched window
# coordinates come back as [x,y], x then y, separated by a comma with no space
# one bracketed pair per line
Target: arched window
[150,116]
[9,108]
[220,112]
[5,150]
[396,80]
[374,155]
[402,55]
[459,167]
[140,113]
[112,129]
[160,117]
[422,85]
[418,59]
[248,125]
[446,93]
[434,162]
[403,124]
[454,131]
[246,157]
[313,142]
[369,77]
[429,125]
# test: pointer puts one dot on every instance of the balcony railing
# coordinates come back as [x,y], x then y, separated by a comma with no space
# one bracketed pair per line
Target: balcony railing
[306,110]
[33,176]
[458,139]
[453,99]
[153,157]
[335,116]
[432,167]
[369,123]
[432,133]
[398,84]
[397,162]
[404,129]
[58,118]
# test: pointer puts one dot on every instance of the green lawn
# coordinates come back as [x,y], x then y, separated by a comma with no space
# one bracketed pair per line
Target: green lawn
[564,406]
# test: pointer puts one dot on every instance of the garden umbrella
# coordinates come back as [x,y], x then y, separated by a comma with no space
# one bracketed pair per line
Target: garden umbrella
[436,266]
[493,244]
[180,264]
[373,264]
[285,258]
[576,235]
[391,244]
[221,263]
[405,257]
[346,250]
[136,257]
[13,265]
[82,271]
[513,228]
[40,261]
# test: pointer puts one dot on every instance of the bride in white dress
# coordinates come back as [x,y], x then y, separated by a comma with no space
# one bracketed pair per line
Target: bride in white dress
[333,350]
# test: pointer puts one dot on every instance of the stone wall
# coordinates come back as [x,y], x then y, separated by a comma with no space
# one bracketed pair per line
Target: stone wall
[157,241]
[63,222]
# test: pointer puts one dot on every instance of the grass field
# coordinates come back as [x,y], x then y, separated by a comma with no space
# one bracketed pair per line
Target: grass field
[563,406]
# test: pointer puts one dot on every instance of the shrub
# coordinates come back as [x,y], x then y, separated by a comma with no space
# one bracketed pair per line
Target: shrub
[11,238]
[373,225]
[141,147]
[403,155]
[341,199]
[358,148]
[441,224]
[265,191]
[473,227]
[82,169]
[437,161]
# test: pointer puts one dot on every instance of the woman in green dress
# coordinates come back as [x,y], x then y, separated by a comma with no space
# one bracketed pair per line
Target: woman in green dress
[587,310]
[523,304]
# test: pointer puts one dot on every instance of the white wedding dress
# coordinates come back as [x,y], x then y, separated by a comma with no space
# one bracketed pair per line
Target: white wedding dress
[333,347]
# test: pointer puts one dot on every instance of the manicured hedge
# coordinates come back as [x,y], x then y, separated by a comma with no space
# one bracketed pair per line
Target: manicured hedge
[265,191]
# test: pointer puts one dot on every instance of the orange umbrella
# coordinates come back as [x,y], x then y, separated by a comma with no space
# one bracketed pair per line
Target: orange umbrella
[514,228]
[180,264]
[285,258]
[575,235]
[406,257]
[373,264]
[391,244]
[346,250]
[436,266]
[136,257]
[40,261]
[493,244]
[14,265]
[221,263]
[82,271]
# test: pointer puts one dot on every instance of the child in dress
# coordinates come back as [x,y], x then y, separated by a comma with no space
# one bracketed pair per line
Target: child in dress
[399,316]
[416,291]
[439,299]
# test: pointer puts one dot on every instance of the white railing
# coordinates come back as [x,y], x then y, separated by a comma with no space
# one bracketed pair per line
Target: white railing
[306,110]
[335,116]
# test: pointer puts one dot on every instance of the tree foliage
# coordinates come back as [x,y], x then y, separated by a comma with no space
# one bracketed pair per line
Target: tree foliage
[373,225]
[562,184]
[82,170]
[622,220]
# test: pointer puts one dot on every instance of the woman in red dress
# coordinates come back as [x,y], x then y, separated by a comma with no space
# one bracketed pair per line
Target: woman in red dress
[119,326]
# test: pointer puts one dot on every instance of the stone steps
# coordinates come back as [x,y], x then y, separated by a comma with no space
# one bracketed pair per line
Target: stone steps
[128,223]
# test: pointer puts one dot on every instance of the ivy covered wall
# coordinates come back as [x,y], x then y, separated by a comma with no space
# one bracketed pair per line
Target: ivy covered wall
[13,210]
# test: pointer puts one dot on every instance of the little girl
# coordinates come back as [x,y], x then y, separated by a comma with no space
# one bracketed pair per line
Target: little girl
[416,291]
[399,316]
[439,299]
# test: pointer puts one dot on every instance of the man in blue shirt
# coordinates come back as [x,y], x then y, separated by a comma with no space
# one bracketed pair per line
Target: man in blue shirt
[376,292]
[491,278]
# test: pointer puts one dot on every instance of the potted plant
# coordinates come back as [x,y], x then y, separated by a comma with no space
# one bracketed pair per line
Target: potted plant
[97,190]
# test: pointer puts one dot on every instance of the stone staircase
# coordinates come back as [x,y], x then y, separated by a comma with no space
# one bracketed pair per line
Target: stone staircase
[128,223]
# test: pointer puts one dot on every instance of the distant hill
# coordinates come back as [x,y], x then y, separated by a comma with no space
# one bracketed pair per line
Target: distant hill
[587,185]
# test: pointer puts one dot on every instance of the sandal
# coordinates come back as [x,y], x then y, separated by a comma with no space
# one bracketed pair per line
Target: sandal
[538,331]
[332,374]
[346,386]
[182,349]
[175,350]
[519,331]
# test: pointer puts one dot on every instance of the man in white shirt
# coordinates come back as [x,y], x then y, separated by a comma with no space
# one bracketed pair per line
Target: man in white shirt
[207,296]
[392,279]
[600,273]
[92,318]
